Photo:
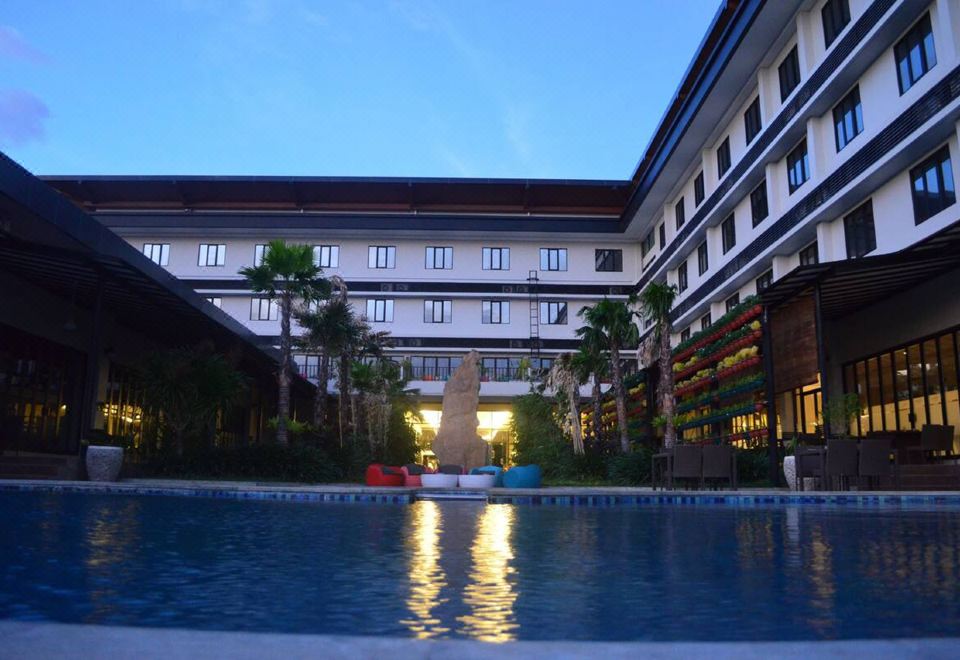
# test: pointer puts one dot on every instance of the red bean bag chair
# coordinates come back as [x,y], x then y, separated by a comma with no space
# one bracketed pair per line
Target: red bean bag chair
[384,475]
[412,473]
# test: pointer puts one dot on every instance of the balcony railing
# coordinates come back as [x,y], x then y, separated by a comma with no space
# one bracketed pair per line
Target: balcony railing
[487,374]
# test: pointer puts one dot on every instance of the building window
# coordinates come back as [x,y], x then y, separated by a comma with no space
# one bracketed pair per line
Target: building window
[723,157]
[158,253]
[705,321]
[728,232]
[679,213]
[915,54]
[759,210]
[789,73]
[933,188]
[437,311]
[751,120]
[798,167]
[698,192]
[835,15]
[216,301]
[258,252]
[682,282]
[848,119]
[431,367]
[382,256]
[496,258]
[810,255]
[703,262]
[439,258]
[685,334]
[859,231]
[662,235]
[326,256]
[496,311]
[553,258]
[553,313]
[264,309]
[380,311]
[764,281]
[647,244]
[732,301]
[608,261]
[212,254]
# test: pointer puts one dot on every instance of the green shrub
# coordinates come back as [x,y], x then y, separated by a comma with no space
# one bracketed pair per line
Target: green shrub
[631,469]
[266,461]
[539,438]
[753,467]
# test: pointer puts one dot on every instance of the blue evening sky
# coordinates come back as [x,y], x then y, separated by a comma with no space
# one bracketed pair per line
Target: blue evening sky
[478,88]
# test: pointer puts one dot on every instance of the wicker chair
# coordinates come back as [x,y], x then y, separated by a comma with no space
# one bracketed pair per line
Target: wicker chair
[841,462]
[687,464]
[720,462]
[875,465]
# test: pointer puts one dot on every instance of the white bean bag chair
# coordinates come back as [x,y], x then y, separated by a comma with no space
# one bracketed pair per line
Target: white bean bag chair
[439,480]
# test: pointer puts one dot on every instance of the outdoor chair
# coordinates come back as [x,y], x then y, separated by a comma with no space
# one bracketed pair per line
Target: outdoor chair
[841,462]
[687,464]
[936,443]
[412,474]
[720,462]
[875,465]
[809,462]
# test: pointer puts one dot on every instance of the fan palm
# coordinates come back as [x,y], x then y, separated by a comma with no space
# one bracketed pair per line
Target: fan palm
[329,331]
[612,321]
[287,273]
[656,301]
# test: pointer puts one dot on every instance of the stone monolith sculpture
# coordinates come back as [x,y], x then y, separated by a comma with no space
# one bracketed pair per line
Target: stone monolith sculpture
[457,441]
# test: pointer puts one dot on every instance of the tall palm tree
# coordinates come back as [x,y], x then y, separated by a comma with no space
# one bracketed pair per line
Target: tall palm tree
[656,301]
[612,321]
[287,273]
[591,364]
[329,331]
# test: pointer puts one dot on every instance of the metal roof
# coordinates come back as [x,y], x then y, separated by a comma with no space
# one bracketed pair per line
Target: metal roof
[848,286]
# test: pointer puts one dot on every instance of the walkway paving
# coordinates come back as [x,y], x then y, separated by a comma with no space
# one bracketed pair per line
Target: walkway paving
[57,640]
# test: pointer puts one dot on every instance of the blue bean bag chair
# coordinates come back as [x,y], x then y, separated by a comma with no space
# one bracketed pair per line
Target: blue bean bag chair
[496,471]
[523,476]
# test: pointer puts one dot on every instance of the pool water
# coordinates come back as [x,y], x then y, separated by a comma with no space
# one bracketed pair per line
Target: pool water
[488,572]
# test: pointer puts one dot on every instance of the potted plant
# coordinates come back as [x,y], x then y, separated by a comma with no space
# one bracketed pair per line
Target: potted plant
[789,463]
[104,456]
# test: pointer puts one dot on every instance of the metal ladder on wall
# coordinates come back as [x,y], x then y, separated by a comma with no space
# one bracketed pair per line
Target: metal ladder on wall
[533,293]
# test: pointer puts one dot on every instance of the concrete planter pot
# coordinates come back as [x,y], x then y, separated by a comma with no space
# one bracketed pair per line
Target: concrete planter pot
[104,463]
[477,480]
[790,471]
[439,480]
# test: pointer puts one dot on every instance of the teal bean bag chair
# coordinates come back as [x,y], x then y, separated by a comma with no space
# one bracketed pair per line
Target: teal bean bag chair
[497,472]
[523,476]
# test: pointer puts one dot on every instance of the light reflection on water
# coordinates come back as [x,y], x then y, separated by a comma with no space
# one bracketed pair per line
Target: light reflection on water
[492,572]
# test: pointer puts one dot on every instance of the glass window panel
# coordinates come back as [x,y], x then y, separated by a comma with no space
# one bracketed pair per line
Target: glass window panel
[932,370]
[874,377]
[948,365]
[916,386]
[902,388]
[884,366]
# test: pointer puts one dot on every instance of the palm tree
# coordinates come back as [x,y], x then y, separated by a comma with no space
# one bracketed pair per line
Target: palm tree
[329,331]
[612,321]
[656,301]
[287,273]
[591,364]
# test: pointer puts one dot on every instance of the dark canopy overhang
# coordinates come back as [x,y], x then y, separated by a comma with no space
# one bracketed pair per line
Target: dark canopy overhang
[848,286]
[49,242]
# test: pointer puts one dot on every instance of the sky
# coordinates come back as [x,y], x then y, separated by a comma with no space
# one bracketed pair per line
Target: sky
[568,89]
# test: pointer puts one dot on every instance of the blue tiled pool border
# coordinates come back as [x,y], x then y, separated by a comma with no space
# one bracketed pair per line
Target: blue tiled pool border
[405,497]
[622,498]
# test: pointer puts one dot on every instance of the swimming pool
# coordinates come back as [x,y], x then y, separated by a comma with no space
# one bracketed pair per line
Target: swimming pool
[492,572]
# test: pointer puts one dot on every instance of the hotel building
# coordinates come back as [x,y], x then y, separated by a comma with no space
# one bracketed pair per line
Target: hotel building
[806,158]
